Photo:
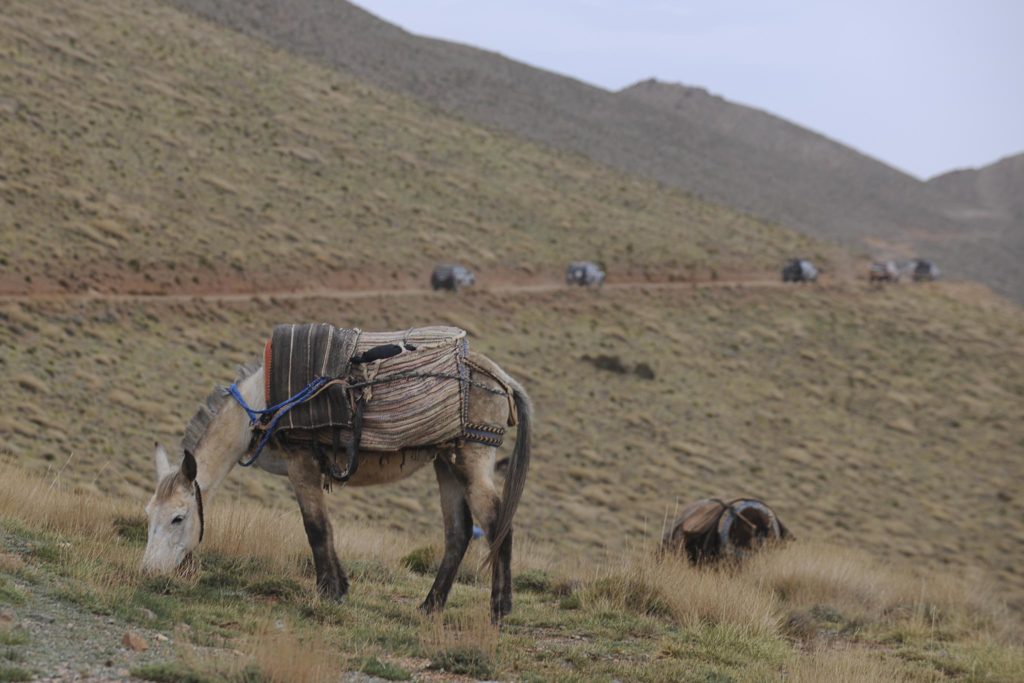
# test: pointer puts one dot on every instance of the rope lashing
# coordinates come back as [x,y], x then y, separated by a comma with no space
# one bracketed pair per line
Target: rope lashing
[257,415]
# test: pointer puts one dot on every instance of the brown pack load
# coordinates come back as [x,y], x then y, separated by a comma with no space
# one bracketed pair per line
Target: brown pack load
[711,529]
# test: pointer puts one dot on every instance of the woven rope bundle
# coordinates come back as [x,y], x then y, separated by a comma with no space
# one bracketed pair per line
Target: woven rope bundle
[426,403]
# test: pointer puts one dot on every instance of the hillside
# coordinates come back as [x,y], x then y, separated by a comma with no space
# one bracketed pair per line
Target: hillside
[886,422]
[145,150]
[841,406]
[771,169]
[996,187]
[171,190]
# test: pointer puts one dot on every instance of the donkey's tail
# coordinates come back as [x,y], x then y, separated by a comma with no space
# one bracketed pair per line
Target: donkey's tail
[518,464]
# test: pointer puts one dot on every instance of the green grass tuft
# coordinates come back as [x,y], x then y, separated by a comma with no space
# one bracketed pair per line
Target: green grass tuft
[636,595]
[463,661]
[13,636]
[385,670]
[532,580]
[422,560]
[9,593]
[173,672]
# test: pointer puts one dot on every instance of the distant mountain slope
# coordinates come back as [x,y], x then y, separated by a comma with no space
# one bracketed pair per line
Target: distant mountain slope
[745,159]
[129,158]
[998,187]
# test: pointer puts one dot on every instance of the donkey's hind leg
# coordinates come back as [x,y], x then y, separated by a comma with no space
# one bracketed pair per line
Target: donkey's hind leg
[476,463]
[458,529]
[304,473]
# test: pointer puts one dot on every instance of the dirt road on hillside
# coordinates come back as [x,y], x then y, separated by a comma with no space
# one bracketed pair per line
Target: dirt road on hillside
[286,295]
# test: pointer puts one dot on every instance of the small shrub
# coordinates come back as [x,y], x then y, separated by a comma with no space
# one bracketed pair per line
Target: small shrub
[644,371]
[606,362]
[571,601]
[422,560]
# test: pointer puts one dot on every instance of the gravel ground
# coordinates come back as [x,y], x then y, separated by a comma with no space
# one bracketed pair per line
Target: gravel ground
[64,643]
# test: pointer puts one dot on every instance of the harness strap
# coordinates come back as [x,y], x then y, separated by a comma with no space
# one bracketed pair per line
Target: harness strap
[199,506]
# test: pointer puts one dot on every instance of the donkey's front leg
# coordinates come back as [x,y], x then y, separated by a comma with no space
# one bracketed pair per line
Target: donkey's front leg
[304,474]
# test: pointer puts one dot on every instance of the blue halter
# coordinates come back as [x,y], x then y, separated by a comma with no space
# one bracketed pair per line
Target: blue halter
[258,415]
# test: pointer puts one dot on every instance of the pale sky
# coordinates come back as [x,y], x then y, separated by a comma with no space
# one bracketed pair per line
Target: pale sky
[924,85]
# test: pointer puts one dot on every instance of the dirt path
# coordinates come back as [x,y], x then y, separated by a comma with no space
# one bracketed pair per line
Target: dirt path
[350,294]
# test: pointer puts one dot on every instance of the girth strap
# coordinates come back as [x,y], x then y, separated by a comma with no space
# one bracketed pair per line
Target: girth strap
[491,435]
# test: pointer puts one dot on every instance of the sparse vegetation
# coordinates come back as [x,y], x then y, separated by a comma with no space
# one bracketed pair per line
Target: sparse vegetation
[14,673]
[790,614]
[883,421]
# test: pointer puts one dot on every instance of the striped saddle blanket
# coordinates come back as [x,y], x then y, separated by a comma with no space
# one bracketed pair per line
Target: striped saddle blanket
[411,384]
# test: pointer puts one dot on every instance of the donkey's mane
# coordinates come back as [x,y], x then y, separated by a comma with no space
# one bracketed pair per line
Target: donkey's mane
[208,409]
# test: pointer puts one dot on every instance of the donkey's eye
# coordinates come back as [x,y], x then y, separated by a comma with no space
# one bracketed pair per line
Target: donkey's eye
[178,519]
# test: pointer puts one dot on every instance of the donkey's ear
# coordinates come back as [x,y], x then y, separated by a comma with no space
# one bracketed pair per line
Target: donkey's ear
[163,465]
[188,466]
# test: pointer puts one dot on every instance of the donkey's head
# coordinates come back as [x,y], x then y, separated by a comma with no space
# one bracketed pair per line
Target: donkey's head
[175,514]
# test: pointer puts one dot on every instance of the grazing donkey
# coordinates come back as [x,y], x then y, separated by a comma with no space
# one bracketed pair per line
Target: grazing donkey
[222,433]
[711,530]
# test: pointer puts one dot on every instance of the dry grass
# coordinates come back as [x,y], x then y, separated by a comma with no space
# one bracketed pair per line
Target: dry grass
[274,653]
[272,535]
[776,592]
[464,642]
[860,586]
[293,653]
[645,583]
[43,503]
[740,617]
[841,665]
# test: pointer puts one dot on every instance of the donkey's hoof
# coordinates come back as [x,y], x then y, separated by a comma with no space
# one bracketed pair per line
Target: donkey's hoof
[336,591]
[500,610]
